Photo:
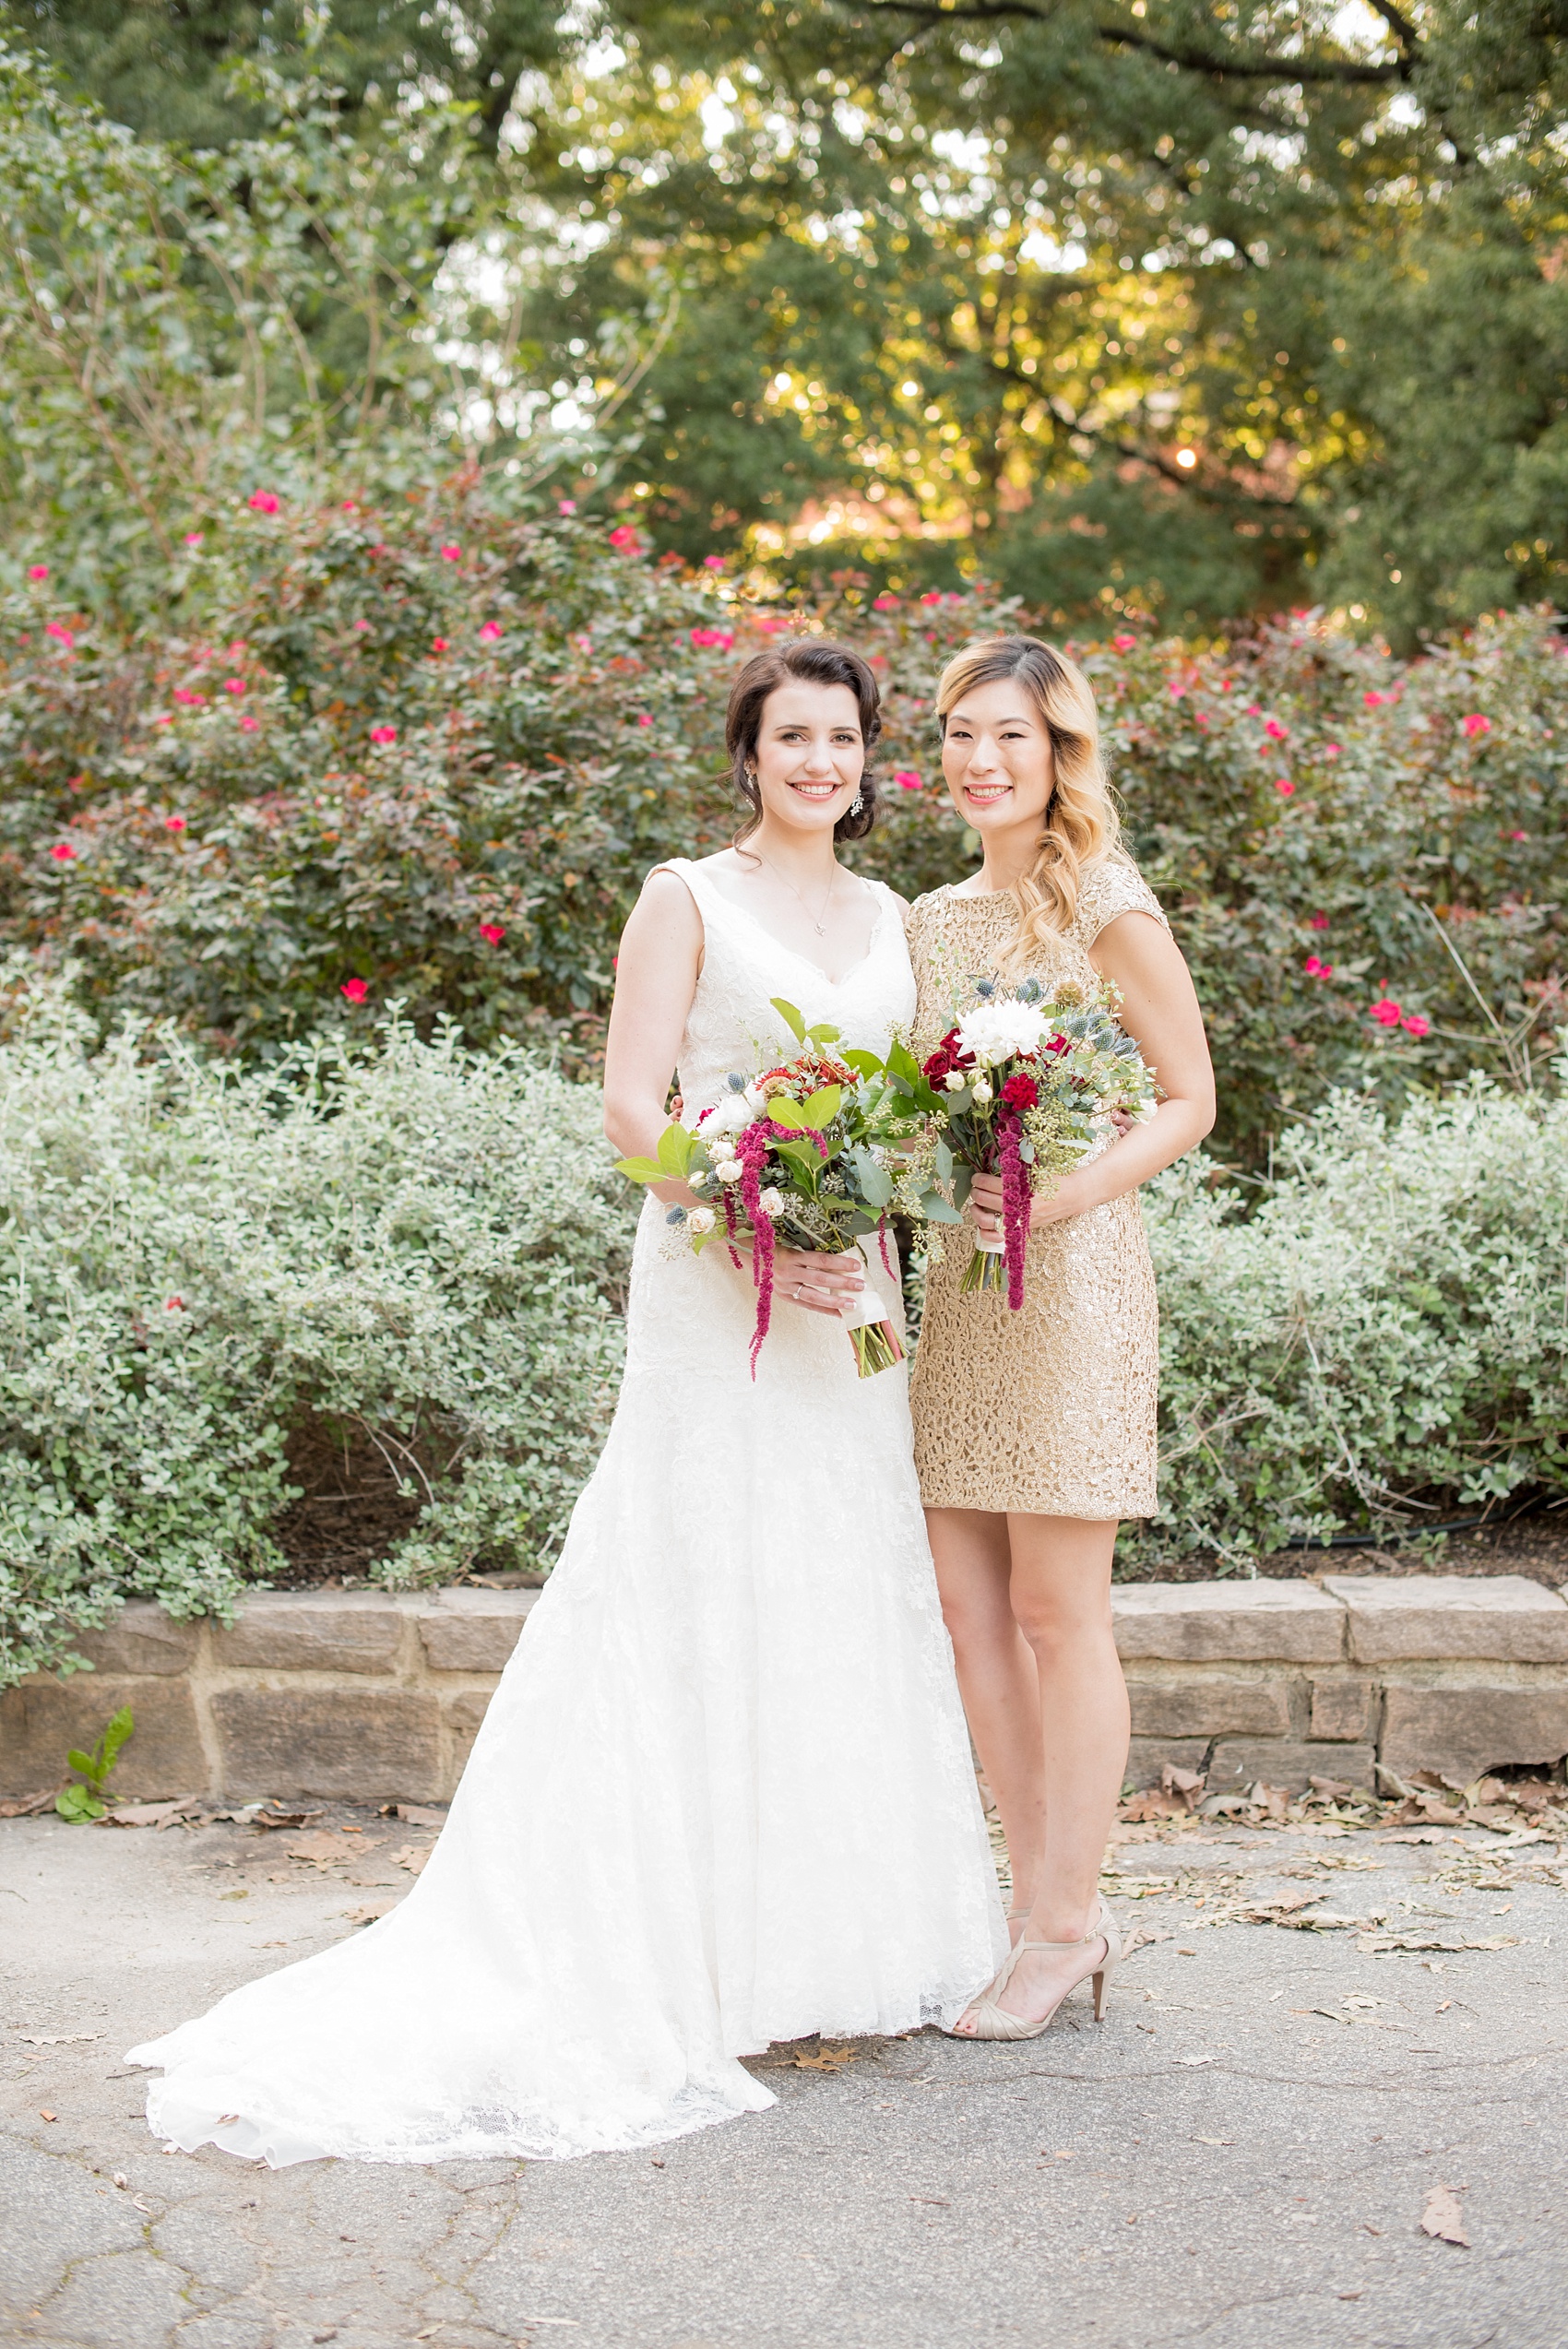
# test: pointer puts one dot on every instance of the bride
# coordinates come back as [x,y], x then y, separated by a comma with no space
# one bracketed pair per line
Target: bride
[723,1795]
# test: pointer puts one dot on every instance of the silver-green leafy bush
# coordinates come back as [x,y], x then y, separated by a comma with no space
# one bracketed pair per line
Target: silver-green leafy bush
[419,1243]
[1381,1339]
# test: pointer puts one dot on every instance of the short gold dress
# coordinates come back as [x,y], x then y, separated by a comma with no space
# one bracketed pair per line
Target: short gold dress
[1051,1408]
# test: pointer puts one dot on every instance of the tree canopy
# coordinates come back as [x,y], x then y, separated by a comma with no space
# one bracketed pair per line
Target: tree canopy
[1185,308]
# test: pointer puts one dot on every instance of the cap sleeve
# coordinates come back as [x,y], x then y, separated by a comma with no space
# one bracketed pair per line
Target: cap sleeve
[1110,888]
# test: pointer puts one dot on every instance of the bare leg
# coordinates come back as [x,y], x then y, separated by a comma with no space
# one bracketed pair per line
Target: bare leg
[1061,1597]
[997,1677]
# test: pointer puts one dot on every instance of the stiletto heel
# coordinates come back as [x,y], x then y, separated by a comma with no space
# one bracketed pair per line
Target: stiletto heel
[993,2020]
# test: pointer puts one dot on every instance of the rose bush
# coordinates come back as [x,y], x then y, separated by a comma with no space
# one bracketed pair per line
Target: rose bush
[430,753]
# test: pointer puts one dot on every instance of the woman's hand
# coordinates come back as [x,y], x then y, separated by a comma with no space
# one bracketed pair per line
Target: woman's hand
[1070,1197]
[817,1283]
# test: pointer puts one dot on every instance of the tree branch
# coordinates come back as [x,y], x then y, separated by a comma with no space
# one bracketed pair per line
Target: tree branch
[1349,71]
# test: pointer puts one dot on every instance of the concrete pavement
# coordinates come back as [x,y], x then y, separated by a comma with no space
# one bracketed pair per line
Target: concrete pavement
[1241,2157]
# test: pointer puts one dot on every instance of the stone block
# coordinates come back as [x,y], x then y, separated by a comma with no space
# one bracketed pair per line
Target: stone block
[1205,1706]
[1343,1708]
[311,1631]
[464,1631]
[1450,1617]
[1227,1622]
[1462,1730]
[142,1641]
[1239,1763]
[1146,1757]
[365,1745]
[41,1718]
[463,1714]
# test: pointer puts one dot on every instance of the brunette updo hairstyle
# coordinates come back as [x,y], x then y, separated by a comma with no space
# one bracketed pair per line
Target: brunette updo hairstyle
[807,662]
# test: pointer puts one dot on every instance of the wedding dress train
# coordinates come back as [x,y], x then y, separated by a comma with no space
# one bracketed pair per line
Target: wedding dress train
[723,1794]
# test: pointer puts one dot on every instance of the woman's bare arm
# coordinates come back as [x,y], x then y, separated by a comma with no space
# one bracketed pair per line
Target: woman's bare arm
[1159,1012]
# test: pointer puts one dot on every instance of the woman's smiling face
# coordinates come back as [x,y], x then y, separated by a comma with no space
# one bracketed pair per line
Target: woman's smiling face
[997,757]
[810,753]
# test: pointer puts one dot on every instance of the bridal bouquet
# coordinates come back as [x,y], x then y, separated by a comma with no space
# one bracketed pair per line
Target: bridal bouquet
[793,1157]
[1024,1085]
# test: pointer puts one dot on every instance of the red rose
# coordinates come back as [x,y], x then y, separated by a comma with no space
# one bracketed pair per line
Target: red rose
[1020,1092]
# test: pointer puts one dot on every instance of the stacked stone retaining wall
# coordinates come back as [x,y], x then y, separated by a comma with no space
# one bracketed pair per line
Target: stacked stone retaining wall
[374,1697]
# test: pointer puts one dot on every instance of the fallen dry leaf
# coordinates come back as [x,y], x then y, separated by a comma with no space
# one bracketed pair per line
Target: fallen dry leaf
[1443,2217]
[412,1857]
[151,1814]
[415,1814]
[266,1817]
[325,1844]
[826,2060]
[369,1913]
[47,2116]
[26,1806]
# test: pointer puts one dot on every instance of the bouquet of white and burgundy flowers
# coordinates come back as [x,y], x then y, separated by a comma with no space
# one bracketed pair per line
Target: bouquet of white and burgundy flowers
[793,1157]
[1024,1085]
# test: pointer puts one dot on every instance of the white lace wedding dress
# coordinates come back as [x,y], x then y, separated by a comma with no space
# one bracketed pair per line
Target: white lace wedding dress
[723,1795]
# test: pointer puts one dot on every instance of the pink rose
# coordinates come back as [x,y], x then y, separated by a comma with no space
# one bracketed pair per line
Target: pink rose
[37,571]
[491,630]
[183,694]
[384,734]
[722,637]
[361,627]
[1414,1024]
[1476,724]
[932,597]
[356,989]
[438,644]
[194,537]
[1518,835]
[1373,701]
[173,824]
[1316,969]
[1274,730]
[262,502]
[63,853]
[61,633]
[234,684]
[174,1304]
[491,933]
[1284,786]
[713,563]
[884,602]
[1331,749]
[624,538]
[565,505]
[249,725]
[1318,921]
[907,779]
[451,554]
[1123,644]
[1385,1011]
[642,718]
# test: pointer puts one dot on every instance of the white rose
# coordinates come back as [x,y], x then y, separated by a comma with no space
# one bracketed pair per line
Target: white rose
[700,1219]
[954,1080]
[996,1031]
[755,1100]
[771,1201]
[730,1171]
[698,1179]
[982,1090]
[731,1116]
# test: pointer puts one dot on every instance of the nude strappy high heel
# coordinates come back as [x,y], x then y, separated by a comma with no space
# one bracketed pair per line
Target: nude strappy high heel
[993,2020]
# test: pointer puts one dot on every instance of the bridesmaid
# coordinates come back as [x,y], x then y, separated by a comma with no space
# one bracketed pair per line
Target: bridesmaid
[1035,1431]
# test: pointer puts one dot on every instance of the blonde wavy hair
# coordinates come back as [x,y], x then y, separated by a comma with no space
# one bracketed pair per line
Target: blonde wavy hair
[1080,819]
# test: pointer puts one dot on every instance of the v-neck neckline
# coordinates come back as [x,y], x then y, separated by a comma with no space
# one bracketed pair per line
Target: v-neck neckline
[793,951]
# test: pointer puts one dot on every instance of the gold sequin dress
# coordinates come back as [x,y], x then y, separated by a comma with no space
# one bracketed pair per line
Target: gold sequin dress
[1051,1408]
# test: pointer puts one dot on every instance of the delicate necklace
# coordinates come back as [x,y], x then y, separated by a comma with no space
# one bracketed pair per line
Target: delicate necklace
[820,927]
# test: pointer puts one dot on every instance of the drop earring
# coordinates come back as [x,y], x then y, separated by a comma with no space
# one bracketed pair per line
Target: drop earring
[857,804]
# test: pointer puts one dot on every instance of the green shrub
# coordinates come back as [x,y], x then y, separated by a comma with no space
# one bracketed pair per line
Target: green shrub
[1379,1338]
[412,1241]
